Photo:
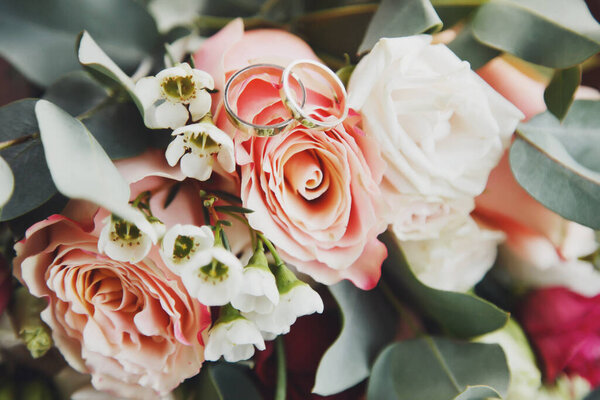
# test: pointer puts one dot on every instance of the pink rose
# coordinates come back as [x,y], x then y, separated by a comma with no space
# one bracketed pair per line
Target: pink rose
[564,327]
[315,194]
[5,285]
[133,327]
[542,248]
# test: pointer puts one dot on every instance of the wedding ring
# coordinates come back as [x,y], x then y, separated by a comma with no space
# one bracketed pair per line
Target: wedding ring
[327,76]
[256,129]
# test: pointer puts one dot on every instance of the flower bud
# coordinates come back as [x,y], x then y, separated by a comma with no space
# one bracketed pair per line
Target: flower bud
[25,313]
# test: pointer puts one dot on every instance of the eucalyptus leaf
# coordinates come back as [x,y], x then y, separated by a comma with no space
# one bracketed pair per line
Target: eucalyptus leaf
[554,33]
[348,360]
[225,381]
[558,164]
[80,168]
[337,31]
[95,60]
[115,123]
[461,315]
[560,92]
[430,368]
[33,185]
[400,18]
[38,38]
[468,48]
[7,182]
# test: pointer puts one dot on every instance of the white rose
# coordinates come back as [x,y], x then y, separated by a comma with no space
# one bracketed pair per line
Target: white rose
[455,261]
[440,126]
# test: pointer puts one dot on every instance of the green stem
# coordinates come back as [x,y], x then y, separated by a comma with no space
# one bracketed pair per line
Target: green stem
[281,388]
[400,308]
[22,139]
[271,248]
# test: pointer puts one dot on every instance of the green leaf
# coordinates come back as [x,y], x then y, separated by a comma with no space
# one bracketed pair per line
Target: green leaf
[439,369]
[37,37]
[336,32]
[558,164]
[400,18]
[560,92]
[33,185]
[348,360]
[116,125]
[462,315]
[95,60]
[554,33]
[468,48]
[7,182]
[225,381]
[80,168]
[452,12]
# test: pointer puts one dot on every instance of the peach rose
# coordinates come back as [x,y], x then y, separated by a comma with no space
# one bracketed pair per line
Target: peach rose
[542,248]
[315,194]
[133,327]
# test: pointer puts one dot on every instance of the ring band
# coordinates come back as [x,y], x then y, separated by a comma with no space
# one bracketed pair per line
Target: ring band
[256,129]
[339,94]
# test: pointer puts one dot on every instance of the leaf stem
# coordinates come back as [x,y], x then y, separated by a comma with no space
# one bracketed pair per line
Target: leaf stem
[281,388]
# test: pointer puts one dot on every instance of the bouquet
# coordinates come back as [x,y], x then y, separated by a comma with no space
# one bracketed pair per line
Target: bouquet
[299,199]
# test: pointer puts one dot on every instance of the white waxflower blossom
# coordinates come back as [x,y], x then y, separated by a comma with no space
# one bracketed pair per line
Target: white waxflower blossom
[233,337]
[181,244]
[196,145]
[123,241]
[214,277]
[259,290]
[173,95]
[296,299]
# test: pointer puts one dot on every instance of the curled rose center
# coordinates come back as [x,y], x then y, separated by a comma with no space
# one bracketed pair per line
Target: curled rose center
[306,175]
[105,289]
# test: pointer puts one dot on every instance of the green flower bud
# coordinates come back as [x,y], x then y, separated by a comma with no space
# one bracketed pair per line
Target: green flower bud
[25,314]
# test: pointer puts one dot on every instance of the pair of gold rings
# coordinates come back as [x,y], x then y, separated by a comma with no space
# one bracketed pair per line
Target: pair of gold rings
[293,94]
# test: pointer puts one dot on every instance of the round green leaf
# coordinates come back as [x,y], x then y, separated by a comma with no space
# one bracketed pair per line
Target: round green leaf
[225,381]
[439,369]
[462,315]
[33,184]
[467,48]
[554,33]
[348,360]
[400,18]
[38,37]
[558,164]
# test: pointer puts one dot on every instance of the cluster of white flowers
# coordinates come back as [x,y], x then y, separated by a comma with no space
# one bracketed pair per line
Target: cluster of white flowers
[257,302]
[179,98]
[255,299]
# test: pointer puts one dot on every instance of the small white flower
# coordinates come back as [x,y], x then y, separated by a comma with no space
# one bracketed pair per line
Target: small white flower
[214,277]
[196,145]
[181,244]
[123,241]
[170,97]
[258,293]
[234,340]
[300,300]
[259,290]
